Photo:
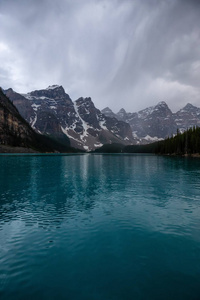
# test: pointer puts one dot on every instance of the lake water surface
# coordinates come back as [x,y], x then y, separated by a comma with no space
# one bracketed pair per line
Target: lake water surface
[98,227]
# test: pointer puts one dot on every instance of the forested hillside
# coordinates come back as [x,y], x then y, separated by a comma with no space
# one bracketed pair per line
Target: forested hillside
[185,143]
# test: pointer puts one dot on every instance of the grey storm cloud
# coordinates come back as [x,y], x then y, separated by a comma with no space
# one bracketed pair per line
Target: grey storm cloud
[128,53]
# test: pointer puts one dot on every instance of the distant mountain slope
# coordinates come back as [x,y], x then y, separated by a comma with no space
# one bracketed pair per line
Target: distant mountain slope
[187,117]
[108,112]
[16,132]
[51,111]
[157,122]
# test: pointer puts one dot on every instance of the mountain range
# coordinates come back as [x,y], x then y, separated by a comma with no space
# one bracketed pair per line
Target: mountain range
[157,122]
[17,132]
[52,112]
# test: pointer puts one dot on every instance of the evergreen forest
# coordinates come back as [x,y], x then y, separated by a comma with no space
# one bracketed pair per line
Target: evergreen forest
[187,142]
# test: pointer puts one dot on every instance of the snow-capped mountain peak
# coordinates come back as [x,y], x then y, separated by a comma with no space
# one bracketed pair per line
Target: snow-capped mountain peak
[51,111]
[108,112]
[189,107]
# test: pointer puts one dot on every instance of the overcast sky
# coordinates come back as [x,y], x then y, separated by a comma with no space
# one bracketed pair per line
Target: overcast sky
[128,53]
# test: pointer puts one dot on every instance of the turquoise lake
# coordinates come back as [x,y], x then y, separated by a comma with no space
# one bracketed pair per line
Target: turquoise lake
[98,227]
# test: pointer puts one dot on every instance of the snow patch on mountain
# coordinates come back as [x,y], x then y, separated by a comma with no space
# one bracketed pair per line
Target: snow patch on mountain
[84,124]
[35,106]
[34,121]
[152,139]
[102,125]
[53,87]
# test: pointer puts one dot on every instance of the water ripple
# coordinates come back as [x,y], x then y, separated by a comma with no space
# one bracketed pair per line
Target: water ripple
[110,225]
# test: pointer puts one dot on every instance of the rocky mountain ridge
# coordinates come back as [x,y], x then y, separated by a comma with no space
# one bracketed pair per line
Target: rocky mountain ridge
[157,122]
[16,133]
[51,111]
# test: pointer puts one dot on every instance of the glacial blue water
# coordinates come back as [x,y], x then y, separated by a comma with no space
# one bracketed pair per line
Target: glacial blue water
[99,227]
